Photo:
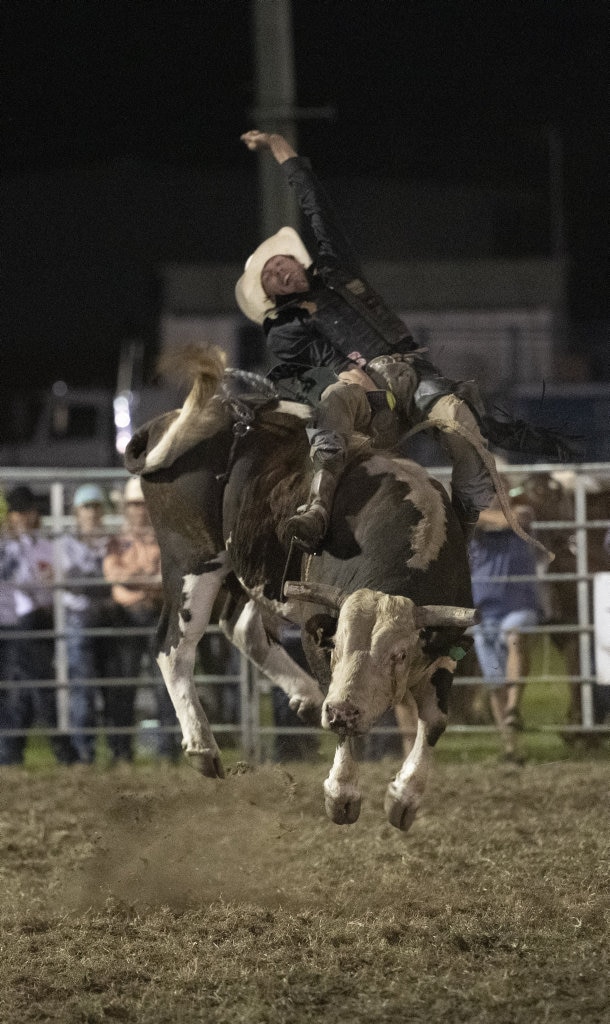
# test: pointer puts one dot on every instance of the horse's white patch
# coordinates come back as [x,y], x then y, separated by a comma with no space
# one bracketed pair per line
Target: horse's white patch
[198,596]
[431,531]
[199,593]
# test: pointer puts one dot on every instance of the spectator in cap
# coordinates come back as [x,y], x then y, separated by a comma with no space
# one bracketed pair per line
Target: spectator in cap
[133,566]
[86,604]
[27,569]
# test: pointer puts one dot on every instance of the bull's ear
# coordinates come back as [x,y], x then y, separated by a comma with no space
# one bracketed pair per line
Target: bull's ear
[444,615]
[322,628]
[317,593]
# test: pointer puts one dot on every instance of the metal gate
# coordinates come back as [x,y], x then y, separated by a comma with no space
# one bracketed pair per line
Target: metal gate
[58,486]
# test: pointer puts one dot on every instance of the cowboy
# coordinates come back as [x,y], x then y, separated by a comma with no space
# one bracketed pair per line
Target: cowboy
[341,349]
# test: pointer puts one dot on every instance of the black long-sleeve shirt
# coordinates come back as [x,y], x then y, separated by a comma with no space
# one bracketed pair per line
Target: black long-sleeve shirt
[341,322]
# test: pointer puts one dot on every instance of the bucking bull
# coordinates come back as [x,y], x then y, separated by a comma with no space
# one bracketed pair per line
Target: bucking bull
[382,608]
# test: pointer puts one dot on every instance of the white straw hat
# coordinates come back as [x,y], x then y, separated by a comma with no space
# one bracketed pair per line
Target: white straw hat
[249,293]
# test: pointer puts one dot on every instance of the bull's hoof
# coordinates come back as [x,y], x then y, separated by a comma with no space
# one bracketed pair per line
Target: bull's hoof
[207,763]
[343,812]
[307,710]
[399,814]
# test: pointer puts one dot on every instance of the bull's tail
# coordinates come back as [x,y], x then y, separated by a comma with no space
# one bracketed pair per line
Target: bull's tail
[203,365]
[490,464]
[159,443]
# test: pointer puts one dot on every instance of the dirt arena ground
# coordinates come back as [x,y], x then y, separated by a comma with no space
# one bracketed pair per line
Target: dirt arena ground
[151,895]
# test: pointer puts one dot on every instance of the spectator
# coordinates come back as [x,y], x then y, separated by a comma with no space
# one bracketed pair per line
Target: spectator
[506,607]
[86,607]
[27,566]
[133,566]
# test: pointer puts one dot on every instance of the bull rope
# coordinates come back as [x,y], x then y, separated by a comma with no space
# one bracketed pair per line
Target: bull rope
[490,464]
[243,412]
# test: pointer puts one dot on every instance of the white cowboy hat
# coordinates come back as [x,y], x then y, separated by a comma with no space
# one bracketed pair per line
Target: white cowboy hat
[249,293]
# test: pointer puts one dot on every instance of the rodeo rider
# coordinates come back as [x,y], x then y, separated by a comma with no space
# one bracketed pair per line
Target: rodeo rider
[341,349]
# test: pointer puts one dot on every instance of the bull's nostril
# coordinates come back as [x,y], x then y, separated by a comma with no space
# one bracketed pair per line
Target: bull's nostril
[342,716]
[332,715]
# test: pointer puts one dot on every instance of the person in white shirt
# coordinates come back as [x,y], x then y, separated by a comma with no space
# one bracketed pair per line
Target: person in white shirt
[28,573]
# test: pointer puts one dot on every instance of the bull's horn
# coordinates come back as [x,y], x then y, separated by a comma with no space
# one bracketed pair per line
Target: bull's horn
[444,615]
[317,593]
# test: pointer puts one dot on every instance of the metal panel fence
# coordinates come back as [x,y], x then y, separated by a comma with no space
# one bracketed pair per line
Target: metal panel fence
[254,736]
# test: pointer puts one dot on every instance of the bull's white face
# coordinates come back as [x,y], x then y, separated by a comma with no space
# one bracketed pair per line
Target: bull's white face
[377,656]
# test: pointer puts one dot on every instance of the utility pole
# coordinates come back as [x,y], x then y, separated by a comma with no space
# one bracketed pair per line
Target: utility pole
[556,188]
[559,248]
[276,109]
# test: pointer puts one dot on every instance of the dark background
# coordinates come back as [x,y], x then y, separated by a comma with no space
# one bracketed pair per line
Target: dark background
[464,93]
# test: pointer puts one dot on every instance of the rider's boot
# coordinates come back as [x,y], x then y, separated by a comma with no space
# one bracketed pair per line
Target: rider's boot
[308,528]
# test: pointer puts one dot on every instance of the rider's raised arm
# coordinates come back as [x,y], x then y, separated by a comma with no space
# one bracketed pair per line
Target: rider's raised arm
[333,246]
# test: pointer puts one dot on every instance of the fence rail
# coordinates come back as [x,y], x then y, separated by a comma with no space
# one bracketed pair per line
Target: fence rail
[59,485]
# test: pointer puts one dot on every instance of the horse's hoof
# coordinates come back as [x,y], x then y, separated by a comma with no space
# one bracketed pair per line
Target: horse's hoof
[343,812]
[399,815]
[207,763]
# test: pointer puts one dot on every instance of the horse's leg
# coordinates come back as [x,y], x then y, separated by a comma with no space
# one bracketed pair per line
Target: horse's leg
[429,703]
[187,608]
[244,627]
[341,793]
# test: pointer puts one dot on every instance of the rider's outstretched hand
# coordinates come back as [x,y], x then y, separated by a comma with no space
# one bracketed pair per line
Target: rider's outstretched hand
[256,140]
[279,146]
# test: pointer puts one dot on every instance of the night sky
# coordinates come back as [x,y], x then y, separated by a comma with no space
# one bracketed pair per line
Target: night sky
[461,92]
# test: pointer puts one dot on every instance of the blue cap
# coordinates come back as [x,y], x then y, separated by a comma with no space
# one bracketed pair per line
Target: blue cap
[88,493]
